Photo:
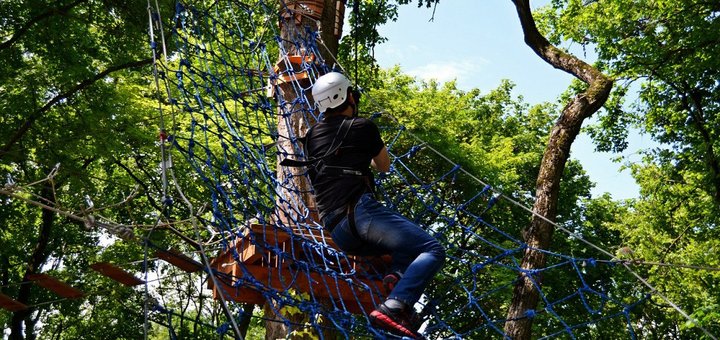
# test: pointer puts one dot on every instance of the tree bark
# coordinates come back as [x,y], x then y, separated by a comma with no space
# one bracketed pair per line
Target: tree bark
[37,259]
[296,190]
[539,234]
[331,29]
[293,28]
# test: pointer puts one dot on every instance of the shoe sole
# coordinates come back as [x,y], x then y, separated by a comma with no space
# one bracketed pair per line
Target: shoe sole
[387,323]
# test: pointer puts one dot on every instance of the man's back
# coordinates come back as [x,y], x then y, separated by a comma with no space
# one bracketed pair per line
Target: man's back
[359,141]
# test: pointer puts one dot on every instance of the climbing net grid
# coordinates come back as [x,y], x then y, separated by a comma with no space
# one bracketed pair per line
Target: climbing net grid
[237,89]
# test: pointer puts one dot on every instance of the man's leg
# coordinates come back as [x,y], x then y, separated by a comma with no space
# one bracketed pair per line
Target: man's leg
[412,249]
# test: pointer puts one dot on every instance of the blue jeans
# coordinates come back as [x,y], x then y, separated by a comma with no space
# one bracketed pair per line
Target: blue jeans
[382,231]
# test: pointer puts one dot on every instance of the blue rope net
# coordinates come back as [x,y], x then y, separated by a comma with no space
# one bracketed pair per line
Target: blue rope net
[237,92]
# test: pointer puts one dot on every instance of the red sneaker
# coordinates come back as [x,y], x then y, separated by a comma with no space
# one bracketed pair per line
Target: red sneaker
[394,320]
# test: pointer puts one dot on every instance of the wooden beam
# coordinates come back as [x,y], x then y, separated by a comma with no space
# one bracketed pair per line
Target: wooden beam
[116,274]
[179,260]
[56,286]
[237,294]
[358,295]
[11,305]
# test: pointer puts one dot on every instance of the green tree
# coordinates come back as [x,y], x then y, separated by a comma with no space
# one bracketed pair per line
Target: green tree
[664,55]
[70,96]
[76,91]
[493,134]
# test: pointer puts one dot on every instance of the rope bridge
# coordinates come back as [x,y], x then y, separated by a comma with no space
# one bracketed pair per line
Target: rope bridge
[237,90]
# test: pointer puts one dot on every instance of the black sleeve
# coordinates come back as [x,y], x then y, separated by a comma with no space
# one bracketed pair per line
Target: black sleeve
[374,141]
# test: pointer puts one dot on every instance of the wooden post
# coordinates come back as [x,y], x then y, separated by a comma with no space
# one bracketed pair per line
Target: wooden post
[298,19]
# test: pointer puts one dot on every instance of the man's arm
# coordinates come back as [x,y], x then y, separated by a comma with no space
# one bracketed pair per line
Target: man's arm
[381,162]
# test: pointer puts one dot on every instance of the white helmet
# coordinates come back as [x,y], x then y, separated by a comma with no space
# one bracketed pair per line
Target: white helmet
[330,91]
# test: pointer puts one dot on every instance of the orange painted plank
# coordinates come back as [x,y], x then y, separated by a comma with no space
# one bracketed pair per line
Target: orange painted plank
[253,245]
[181,261]
[237,294]
[355,298]
[56,286]
[9,304]
[268,234]
[116,274]
[247,252]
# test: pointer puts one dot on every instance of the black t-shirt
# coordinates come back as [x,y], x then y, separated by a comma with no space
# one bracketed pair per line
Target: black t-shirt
[358,147]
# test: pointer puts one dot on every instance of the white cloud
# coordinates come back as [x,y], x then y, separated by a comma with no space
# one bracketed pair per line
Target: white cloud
[463,70]
[388,55]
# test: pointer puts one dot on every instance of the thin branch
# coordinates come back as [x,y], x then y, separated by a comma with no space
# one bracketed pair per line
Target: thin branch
[35,20]
[77,88]
[140,183]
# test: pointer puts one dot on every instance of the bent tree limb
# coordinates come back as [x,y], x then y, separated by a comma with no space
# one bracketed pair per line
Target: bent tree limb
[539,234]
[24,28]
[20,132]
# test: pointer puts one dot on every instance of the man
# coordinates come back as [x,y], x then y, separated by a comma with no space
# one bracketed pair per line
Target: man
[341,149]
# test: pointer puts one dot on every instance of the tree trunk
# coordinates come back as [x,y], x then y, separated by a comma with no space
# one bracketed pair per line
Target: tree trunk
[244,323]
[539,234]
[292,114]
[37,259]
[711,159]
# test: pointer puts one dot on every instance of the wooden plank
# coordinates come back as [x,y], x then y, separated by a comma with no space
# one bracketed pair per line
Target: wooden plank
[227,265]
[247,252]
[116,274]
[355,297]
[324,287]
[56,286]
[179,260]
[255,243]
[237,294]
[267,234]
[10,304]
[260,237]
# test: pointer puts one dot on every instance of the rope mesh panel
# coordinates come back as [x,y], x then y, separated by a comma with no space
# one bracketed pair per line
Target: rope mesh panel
[232,120]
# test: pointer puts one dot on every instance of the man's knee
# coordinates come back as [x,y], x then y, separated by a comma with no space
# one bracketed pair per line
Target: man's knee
[439,251]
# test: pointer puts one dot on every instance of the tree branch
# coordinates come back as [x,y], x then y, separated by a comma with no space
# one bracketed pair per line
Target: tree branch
[37,258]
[547,188]
[26,27]
[711,159]
[77,88]
[141,183]
[552,55]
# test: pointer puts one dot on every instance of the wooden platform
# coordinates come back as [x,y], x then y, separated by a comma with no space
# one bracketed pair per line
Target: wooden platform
[258,266]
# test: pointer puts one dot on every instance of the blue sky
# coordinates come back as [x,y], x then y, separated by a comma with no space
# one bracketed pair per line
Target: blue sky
[479,43]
